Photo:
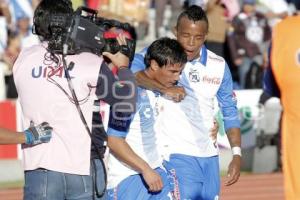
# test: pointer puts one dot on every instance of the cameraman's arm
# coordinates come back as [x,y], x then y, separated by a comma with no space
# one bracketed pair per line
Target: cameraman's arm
[33,135]
[119,91]
[11,137]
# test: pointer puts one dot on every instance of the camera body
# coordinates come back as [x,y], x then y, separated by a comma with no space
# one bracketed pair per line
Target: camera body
[83,31]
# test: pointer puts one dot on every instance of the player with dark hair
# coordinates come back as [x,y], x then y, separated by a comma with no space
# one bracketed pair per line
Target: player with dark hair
[134,165]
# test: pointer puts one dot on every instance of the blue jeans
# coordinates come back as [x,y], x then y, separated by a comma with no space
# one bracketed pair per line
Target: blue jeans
[243,70]
[43,184]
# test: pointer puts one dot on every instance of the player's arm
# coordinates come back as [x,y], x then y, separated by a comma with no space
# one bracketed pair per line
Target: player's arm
[119,92]
[270,84]
[122,151]
[228,106]
[234,137]
[113,89]
[175,93]
[32,136]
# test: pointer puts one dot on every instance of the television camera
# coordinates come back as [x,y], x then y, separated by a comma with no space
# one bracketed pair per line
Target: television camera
[84,31]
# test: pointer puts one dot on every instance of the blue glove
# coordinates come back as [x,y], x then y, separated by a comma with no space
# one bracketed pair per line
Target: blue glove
[38,134]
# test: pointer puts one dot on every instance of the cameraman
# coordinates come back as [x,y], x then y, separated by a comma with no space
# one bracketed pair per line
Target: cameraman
[61,169]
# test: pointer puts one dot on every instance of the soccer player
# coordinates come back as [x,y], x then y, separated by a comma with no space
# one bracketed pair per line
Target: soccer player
[134,164]
[282,80]
[191,155]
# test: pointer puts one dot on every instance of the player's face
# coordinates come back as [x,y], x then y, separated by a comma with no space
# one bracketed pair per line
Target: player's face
[169,75]
[191,35]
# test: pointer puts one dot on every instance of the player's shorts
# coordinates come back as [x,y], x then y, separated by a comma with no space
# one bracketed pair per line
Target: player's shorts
[194,178]
[135,188]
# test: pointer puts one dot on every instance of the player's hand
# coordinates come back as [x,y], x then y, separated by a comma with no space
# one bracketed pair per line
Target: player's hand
[38,134]
[175,93]
[119,59]
[234,168]
[153,180]
[214,132]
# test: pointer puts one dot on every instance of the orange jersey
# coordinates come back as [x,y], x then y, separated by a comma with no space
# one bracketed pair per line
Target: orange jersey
[285,61]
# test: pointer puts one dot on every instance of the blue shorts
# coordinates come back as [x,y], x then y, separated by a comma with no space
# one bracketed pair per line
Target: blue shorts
[134,187]
[194,178]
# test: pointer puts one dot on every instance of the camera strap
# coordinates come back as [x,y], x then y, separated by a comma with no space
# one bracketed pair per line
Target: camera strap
[74,96]
[76,102]
[99,177]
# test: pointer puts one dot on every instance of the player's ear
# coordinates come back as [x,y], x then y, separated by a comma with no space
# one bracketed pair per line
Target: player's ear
[154,65]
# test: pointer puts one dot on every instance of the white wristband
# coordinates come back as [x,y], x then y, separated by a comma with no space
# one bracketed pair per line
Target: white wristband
[236,151]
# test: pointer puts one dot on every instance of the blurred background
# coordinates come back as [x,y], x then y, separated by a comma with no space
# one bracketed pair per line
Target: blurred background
[240,31]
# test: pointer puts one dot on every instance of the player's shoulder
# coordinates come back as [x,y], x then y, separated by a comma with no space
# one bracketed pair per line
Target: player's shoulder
[214,58]
[142,52]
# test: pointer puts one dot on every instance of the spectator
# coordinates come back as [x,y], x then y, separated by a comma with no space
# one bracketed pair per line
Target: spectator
[274,10]
[5,19]
[12,51]
[19,9]
[23,29]
[9,57]
[233,8]
[200,3]
[216,14]
[248,39]
[160,7]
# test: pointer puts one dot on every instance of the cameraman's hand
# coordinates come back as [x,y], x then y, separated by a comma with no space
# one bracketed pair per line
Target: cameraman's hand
[119,59]
[38,134]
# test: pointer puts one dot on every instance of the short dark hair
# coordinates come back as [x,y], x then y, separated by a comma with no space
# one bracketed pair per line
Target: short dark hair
[43,12]
[165,51]
[195,13]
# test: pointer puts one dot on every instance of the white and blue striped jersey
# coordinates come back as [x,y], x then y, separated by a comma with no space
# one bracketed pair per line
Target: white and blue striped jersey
[140,136]
[184,127]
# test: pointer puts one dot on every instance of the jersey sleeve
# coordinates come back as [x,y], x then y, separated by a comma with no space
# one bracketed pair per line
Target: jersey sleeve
[227,101]
[270,85]
[119,123]
[138,63]
[117,95]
